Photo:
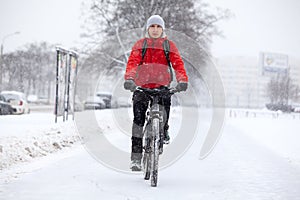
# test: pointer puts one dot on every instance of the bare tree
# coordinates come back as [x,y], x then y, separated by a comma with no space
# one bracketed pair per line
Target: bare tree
[281,90]
[187,16]
[30,70]
[107,19]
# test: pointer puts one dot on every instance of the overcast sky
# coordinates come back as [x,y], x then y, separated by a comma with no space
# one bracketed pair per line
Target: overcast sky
[258,25]
[54,21]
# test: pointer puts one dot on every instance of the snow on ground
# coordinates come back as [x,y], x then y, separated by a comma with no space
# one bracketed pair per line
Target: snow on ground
[279,132]
[257,158]
[25,137]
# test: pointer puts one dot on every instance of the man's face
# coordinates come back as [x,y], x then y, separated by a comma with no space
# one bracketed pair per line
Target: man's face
[155,31]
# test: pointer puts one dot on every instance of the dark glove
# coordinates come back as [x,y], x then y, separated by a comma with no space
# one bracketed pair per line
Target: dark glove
[182,86]
[129,85]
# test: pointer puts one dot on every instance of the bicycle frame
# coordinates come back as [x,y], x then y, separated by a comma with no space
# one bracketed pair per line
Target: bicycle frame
[153,133]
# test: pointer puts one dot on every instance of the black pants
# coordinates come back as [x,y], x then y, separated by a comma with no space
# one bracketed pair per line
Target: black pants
[140,105]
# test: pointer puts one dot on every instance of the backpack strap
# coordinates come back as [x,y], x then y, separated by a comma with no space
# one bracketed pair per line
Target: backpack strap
[144,49]
[166,45]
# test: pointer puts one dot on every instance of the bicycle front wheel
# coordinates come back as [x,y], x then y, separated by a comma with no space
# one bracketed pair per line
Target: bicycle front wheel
[147,159]
[155,152]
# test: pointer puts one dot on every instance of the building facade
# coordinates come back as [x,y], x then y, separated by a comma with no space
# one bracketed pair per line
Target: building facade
[245,80]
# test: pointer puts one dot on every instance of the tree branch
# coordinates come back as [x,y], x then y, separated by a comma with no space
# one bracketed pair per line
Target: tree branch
[121,44]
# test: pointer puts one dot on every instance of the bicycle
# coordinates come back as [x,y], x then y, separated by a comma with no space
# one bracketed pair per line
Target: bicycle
[153,132]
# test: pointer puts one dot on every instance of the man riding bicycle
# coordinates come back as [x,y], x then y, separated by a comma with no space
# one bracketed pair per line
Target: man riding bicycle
[149,66]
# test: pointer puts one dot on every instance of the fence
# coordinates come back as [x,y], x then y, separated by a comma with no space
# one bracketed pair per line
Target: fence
[239,113]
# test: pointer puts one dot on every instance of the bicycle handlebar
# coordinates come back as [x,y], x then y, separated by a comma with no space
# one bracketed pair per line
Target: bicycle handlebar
[171,90]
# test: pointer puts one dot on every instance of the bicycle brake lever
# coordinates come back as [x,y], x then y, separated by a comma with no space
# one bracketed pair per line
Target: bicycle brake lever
[173,90]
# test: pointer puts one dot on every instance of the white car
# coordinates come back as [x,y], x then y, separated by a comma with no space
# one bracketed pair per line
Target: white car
[297,109]
[94,102]
[18,101]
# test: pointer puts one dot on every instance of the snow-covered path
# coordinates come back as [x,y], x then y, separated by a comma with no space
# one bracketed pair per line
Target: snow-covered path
[239,168]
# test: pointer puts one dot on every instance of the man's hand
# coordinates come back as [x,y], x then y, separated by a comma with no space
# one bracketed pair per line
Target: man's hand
[129,85]
[182,86]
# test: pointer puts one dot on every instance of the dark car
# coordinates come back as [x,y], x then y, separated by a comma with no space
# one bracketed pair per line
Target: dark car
[5,107]
[281,107]
[106,97]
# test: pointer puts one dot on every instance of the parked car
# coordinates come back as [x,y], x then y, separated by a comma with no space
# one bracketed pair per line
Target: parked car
[5,107]
[32,99]
[94,102]
[43,100]
[18,101]
[106,97]
[297,109]
[280,107]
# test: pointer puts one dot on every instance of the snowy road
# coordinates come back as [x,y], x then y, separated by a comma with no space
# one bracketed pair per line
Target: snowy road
[242,166]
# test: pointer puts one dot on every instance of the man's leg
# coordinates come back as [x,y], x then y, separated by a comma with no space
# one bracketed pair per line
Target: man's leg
[166,102]
[140,105]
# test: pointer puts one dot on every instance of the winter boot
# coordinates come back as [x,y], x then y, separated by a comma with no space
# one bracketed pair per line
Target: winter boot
[136,165]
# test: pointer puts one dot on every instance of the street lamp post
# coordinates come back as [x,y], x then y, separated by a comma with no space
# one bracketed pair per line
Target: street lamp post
[1,56]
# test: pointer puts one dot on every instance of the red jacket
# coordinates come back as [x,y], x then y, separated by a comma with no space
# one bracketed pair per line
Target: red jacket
[155,55]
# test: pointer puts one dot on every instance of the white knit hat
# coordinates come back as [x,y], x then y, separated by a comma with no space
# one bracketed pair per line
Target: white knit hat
[155,19]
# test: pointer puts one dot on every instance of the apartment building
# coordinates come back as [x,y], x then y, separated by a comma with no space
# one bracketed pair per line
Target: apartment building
[245,79]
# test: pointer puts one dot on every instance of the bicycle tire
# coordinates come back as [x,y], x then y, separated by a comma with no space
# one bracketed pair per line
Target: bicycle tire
[147,153]
[155,152]
[146,163]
